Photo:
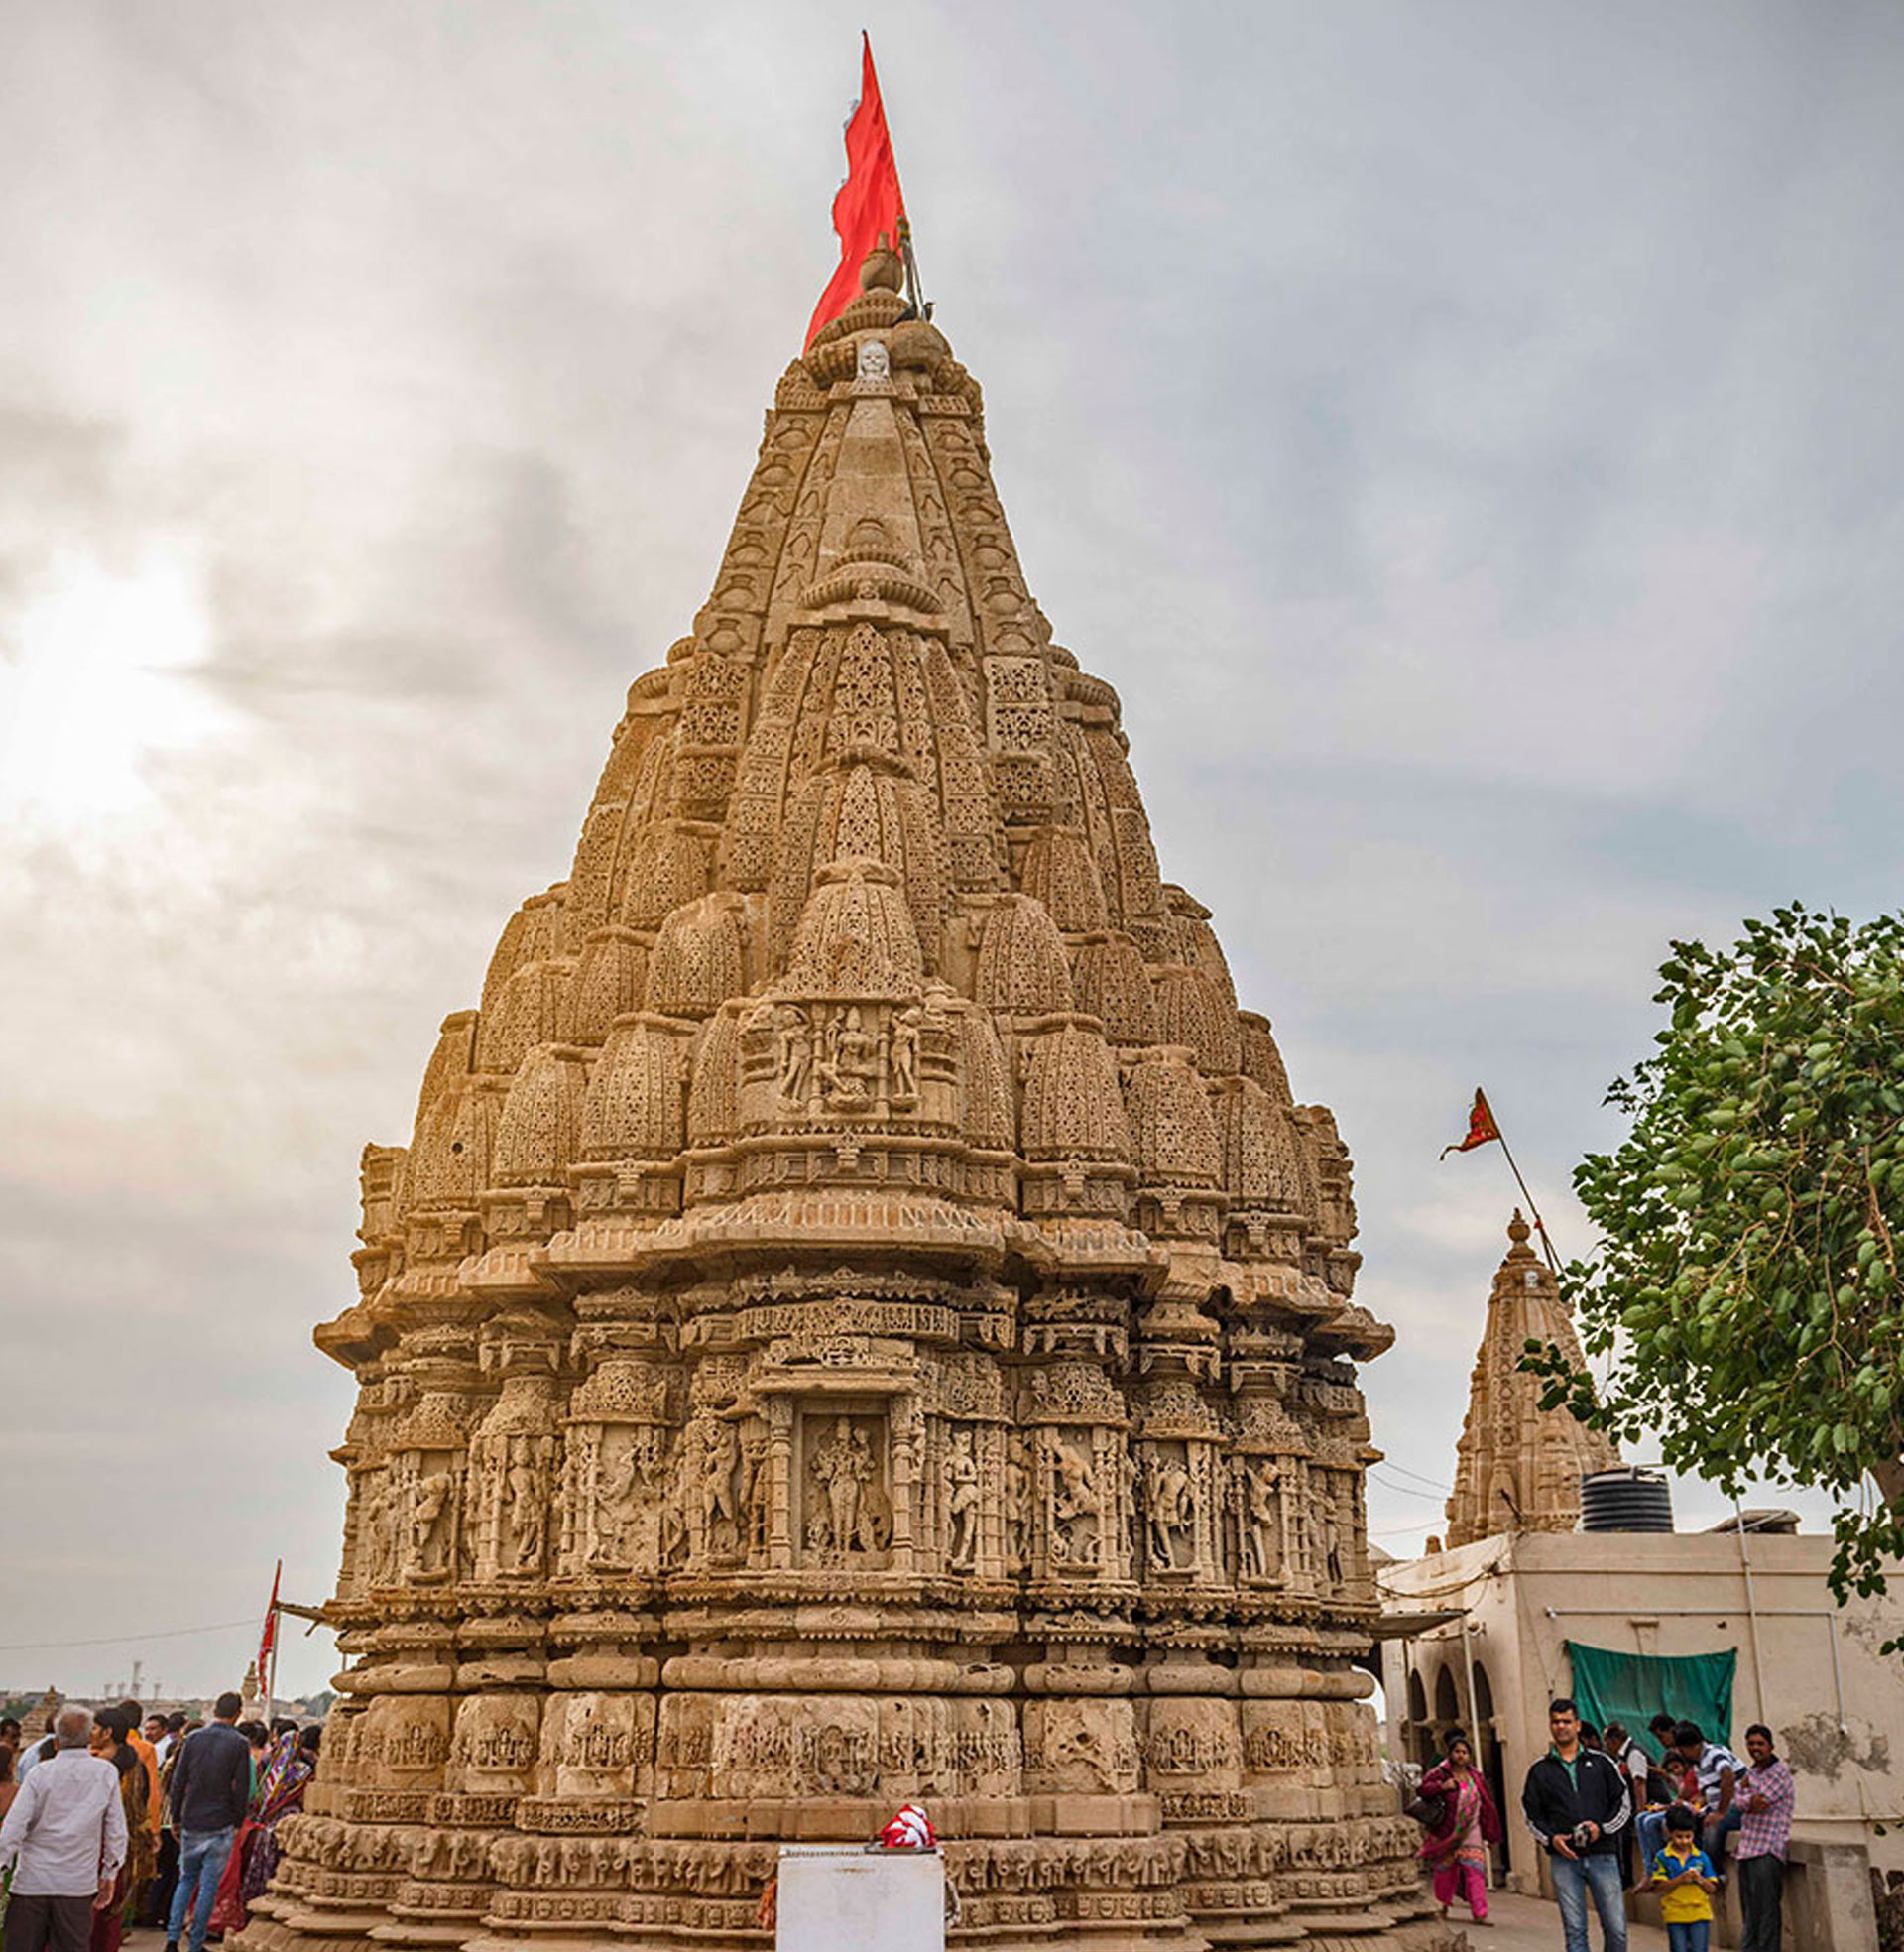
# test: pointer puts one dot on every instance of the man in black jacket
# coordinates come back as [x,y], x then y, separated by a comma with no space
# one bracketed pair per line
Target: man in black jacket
[210,1792]
[1577,1806]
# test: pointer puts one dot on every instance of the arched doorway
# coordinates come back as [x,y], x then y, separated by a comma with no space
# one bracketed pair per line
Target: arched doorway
[1493,1764]
[1447,1703]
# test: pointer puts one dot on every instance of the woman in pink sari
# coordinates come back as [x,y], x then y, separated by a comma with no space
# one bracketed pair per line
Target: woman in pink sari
[282,1778]
[1456,1849]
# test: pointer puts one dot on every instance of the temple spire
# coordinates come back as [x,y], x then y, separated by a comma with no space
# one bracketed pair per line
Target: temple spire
[1519,1467]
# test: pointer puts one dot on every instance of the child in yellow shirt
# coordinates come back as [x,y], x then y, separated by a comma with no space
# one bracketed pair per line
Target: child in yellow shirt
[1683,1875]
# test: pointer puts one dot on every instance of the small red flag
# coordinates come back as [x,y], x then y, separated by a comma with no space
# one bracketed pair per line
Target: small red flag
[269,1639]
[869,203]
[1480,1125]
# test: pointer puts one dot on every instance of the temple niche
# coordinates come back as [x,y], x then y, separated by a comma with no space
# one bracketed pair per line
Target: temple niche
[1519,1467]
[861,1314]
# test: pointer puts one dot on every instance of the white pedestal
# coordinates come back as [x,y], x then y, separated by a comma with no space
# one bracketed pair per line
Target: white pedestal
[834,1900]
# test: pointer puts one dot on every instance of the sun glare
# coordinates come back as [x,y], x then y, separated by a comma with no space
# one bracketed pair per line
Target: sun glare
[98,681]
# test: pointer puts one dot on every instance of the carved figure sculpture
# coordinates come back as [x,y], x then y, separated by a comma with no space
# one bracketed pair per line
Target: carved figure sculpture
[797,1054]
[905,1054]
[721,1462]
[1075,1505]
[1259,1526]
[1017,1500]
[430,1522]
[619,1497]
[1169,1499]
[962,1503]
[524,1507]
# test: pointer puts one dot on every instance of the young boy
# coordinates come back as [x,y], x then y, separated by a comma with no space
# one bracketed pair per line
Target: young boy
[1683,1877]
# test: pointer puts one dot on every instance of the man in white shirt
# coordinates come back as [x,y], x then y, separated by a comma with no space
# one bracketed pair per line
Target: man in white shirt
[65,1838]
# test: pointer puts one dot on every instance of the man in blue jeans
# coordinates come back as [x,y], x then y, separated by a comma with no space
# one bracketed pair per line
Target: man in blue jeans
[210,1792]
[1577,1805]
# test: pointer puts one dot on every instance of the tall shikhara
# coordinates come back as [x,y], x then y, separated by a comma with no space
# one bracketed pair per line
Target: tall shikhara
[1519,1467]
[862,1318]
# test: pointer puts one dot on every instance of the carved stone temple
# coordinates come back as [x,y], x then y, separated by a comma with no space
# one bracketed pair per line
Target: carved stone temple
[861,1316]
[1517,1467]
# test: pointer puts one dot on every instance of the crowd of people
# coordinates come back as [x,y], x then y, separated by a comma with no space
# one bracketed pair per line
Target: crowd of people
[1610,1817]
[115,1818]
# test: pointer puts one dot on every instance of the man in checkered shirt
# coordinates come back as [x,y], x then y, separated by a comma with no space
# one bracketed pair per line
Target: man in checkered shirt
[1764,1797]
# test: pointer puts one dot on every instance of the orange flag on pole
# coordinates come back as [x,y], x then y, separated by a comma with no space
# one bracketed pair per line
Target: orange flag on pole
[869,204]
[268,1640]
[1480,1125]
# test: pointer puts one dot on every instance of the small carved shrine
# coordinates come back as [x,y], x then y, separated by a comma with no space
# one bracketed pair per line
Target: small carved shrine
[861,1317]
[1517,1467]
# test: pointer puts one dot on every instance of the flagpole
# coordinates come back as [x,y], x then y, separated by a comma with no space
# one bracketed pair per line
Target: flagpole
[910,260]
[1540,1225]
[271,1629]
[1484,1127]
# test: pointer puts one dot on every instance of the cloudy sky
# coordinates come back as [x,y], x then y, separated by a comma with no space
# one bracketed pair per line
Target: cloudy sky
[1467,435]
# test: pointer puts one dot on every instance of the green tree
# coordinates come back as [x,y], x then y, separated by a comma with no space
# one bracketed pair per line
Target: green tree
[1745,1288]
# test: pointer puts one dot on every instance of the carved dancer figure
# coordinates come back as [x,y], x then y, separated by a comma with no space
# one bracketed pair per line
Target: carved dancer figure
[1260,1529]
[1017,1500]
[797,1054]
[721,1460]
[1074,1506]
[962,1504]
[372,1544]
[856,1057]
[905,1054]
[1169,1500]
[618,1495]
[428,1522]
[522,1507]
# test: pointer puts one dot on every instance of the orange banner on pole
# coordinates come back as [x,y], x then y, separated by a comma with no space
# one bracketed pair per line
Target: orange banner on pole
[869,205]
[1481,1128]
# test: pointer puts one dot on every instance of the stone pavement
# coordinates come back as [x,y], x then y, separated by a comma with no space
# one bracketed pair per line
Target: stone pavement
[1532,1924]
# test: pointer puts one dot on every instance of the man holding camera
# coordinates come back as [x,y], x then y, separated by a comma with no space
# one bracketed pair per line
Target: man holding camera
[1578,1806]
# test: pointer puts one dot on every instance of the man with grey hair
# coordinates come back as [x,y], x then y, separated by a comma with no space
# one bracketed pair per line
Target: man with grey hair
[65,1838]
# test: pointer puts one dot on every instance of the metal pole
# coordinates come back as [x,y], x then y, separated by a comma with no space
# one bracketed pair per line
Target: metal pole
[1474,1729]
[915,291]
[1752,1612]
[1540,1225]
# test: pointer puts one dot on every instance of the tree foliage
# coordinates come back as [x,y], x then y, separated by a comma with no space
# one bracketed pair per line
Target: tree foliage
[1746,1285]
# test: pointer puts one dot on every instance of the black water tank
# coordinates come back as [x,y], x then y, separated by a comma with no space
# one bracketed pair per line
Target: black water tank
[1627,1499]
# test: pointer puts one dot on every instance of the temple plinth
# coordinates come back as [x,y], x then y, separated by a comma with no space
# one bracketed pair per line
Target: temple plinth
[861,1316]
[1519,1467]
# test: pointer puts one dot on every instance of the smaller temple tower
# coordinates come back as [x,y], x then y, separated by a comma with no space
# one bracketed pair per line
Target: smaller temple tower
[1519,1467]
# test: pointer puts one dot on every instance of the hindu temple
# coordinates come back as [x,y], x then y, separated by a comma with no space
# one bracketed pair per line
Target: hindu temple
[861,1316]
[1519,1467]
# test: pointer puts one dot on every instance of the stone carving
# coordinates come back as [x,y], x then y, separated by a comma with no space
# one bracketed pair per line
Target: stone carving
[1169,1507]
[1018,1502]
[1077,1505]
[432,1524]
[962,1503]
[847,1511]
[1259,1518]
[861,1316]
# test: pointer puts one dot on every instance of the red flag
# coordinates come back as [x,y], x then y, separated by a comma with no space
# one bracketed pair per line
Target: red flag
[869,203]
[269,1639]
[1480,1125]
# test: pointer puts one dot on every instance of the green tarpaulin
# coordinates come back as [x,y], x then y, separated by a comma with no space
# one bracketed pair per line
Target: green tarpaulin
[1631,1688]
